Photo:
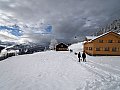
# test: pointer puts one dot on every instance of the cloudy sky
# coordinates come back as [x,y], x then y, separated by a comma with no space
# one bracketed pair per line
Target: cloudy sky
[68,18]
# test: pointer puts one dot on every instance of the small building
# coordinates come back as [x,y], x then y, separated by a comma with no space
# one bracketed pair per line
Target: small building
[61,47]
[105,44]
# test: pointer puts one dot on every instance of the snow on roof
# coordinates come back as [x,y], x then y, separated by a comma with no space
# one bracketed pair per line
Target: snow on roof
[61,43]
[90,37]
[100,35]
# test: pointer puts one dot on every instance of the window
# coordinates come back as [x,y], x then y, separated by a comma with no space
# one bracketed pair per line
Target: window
[106,49]
[100,41]
[114,49]
[90,48]
[97,49]
[61,45]
[110,41]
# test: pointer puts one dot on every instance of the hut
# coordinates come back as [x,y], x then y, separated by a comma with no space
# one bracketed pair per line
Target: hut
[61,47]
[105,44]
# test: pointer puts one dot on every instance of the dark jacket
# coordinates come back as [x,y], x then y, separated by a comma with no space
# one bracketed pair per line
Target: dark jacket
[84,55]
[79,55]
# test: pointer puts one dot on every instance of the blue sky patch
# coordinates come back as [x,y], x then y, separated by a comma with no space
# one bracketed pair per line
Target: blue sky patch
[48,29]
[14,30]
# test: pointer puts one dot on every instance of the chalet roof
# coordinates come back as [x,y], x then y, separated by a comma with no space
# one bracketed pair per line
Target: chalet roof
[102,35]
[62,44]
[91,37]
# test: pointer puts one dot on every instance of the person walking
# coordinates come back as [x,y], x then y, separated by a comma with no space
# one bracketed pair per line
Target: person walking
[84,57]
[79,55]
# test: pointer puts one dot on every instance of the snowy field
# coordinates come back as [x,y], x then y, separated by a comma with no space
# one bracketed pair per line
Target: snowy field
[53,70]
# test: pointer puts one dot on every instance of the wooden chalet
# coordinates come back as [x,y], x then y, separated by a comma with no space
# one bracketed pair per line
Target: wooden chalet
[105,44]
[61,47]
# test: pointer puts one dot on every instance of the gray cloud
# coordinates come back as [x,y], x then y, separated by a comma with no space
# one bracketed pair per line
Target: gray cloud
[68,17]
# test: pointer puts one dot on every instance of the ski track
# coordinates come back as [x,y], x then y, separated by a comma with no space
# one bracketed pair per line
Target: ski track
[105,68]
[108,77]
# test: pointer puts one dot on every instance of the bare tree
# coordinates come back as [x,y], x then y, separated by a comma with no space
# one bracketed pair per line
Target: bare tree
[53,44]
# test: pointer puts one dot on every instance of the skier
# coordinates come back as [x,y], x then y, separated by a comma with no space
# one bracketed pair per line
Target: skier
[84,57]
[79,55]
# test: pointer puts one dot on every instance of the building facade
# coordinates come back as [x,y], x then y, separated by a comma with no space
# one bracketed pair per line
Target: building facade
[107,44]
[61,47]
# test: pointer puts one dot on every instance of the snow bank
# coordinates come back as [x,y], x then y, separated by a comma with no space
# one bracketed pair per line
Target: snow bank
[76,47]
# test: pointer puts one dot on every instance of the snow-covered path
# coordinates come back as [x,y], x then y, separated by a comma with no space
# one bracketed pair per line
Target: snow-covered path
[53,70]
[108,77]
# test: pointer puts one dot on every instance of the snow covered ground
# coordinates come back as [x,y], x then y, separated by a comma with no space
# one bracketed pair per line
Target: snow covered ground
[53,70]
